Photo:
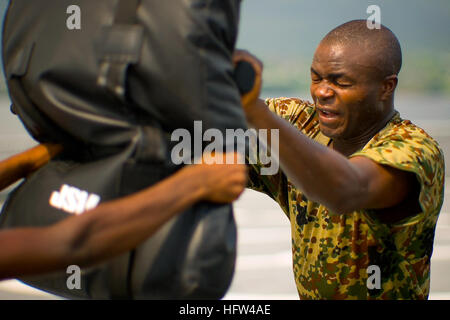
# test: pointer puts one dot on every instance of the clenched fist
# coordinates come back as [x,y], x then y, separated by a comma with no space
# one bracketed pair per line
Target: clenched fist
[221,183]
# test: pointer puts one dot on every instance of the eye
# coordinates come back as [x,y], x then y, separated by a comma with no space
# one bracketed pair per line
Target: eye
[343,83]
[315,78]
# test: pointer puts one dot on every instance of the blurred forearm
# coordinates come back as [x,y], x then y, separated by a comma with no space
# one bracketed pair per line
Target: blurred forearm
[110,229]
[22,164]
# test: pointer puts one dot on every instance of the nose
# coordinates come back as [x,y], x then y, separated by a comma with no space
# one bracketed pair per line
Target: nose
[323,91]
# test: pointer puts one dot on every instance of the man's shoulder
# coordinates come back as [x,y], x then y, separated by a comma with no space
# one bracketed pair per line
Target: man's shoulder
[406,146]
[288,106]
[301,113]
[405,135]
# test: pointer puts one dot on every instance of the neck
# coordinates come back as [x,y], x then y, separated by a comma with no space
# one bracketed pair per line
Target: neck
[349,146]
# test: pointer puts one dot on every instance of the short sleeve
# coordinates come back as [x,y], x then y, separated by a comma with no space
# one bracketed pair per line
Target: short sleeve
[406,147]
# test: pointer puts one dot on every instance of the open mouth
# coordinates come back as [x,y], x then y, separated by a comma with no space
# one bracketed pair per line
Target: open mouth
[327,113]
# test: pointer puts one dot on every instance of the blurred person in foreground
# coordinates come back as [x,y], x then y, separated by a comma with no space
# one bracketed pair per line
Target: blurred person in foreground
[361,186]
[113,227]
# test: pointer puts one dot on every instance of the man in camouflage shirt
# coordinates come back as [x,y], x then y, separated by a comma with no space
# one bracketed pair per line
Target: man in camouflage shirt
[362,187]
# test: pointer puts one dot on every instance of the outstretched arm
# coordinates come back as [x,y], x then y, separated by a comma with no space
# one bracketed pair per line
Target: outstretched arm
[117,226]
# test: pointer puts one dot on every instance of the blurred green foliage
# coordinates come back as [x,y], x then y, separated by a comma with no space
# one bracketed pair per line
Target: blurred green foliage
[426,72]
[285,33]
[422,72]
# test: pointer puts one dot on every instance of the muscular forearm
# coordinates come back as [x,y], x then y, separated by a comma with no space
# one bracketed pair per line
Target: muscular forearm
[110,229]
[121,225]
[322,174]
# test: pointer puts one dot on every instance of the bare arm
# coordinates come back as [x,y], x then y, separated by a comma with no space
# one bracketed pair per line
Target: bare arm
[117,226]
[21,165]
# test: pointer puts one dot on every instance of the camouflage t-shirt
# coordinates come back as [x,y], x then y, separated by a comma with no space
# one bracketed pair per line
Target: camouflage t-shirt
[334,254]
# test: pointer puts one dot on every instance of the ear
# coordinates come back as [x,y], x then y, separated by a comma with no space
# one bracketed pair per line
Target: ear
[388,87]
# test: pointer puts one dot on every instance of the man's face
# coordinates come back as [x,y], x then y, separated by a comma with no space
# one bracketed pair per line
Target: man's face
[345,91]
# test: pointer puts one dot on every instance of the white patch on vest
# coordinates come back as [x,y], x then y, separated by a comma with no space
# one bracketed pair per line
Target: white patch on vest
[73,200]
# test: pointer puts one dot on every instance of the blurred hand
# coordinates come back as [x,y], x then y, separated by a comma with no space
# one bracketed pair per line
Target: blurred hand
[221,183]
[250,98]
